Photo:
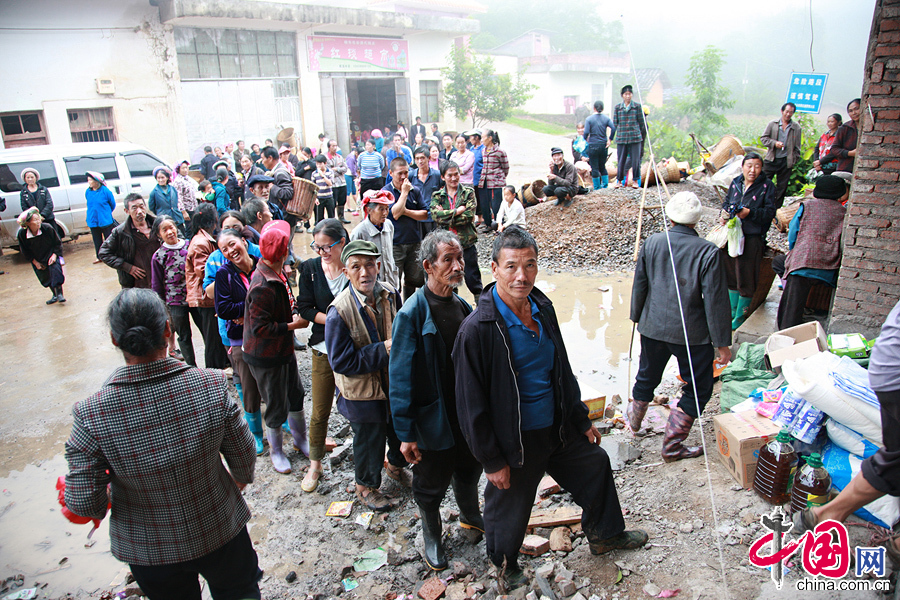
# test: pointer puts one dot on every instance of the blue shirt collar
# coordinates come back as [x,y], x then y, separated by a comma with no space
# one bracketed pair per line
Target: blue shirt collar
[509,317]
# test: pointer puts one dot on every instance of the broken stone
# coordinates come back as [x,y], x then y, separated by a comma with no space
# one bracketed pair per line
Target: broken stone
[567,588]
[531,596]
[561,540]
[330,444]
[534,545]
[577,596]
[545,570]
[698,523]
[432,589]
[291,577]
[620,452]
[456,591]
[545,588]
[548,487]
[475,588]
[651,589]
[460,569]
[340,453]
[686,528]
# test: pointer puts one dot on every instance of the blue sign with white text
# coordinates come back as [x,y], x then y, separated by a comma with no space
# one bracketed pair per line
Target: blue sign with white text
[806,90]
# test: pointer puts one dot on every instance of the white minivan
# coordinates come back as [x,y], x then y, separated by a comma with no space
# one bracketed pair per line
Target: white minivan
[127,168]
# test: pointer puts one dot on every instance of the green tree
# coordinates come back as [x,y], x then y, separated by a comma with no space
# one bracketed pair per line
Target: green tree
[474,91]
[709,95]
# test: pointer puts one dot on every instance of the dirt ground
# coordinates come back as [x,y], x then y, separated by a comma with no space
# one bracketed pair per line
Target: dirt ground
[56,355]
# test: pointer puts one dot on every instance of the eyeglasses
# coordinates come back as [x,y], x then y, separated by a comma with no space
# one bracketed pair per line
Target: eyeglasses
[316,248]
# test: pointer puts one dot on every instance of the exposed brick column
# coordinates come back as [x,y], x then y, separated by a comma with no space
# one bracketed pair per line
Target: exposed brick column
[869,283]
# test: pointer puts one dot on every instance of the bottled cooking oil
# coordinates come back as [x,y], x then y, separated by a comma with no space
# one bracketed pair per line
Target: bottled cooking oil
[812,484]
[775,469]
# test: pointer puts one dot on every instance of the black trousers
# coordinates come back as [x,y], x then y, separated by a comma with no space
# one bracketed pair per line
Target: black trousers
[580,467]
[376,183]
[281,390]
[98,234]
[654,357]
[52,276]
[340,194]
[433,474]
[793,300]
[629,157]
[232,573]
[778,264]
[480,195]
[742,272]
[473,273]
[325,204]
[561,192]
[181,327]
[214,353]
[597,157]
[368,452]
[882,469]
[781,173]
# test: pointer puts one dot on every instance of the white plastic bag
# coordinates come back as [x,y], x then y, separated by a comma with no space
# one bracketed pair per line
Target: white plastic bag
[718,235]
[735,237]
[851,441]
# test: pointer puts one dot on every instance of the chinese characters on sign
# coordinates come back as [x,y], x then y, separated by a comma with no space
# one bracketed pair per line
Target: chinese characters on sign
[806,90]
[355,54]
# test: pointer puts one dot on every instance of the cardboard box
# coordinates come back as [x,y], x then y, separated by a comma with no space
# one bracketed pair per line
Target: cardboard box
[739,436]
[853,345]
[595,402]
[808,338]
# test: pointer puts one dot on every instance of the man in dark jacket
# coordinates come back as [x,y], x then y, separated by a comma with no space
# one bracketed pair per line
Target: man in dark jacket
[668,306]
[207,162]
[562,180]
[423,393]
[520,410]
[130,246]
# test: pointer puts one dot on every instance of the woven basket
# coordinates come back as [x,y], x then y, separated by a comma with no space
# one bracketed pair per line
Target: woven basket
[784,216]
[673,173]
[724,150]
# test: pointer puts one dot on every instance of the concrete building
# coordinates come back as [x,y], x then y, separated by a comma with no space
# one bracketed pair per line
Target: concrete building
[176,75]
[93,70]
[565,80]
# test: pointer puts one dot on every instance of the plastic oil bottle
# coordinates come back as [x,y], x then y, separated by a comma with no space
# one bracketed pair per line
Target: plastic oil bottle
[812,484]
[775,469]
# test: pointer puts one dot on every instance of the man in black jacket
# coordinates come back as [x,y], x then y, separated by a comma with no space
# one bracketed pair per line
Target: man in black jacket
[562,179]
[207,162]
[520,410]
[131,245]
[669,307]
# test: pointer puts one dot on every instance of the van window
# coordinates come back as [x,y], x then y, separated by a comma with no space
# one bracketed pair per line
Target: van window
[141,164]
[77,166]
[11,174]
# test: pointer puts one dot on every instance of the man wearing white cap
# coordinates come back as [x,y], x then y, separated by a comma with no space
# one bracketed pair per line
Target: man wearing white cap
[690,278]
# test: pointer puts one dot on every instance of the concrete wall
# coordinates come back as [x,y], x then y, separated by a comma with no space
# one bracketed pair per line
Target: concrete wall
[869,283]
[54,69]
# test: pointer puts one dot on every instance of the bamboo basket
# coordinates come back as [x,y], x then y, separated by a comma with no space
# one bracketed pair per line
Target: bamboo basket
[726,148]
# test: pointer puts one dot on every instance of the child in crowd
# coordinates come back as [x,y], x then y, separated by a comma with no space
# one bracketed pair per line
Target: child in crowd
[511,210]
[167,268]
[324,180]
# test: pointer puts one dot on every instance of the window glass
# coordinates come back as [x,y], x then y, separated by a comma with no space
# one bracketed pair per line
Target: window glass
[235,54]
[11,179]
[77,166]
[11,125]
[141,164]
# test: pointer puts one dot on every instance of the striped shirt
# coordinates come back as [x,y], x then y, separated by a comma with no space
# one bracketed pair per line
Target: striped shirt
[370,165]
[318,178]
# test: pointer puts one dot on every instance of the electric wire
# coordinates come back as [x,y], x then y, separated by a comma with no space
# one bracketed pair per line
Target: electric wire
[712,500]
[812,37]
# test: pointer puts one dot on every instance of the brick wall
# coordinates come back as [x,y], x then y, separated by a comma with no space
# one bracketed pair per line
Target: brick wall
[869,283]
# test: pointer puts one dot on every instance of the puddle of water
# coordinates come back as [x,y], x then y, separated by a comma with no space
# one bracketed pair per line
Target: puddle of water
[35,537]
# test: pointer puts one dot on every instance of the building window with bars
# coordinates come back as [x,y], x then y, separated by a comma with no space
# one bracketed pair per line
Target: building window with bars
[235,53]
[92,125]
[429,100]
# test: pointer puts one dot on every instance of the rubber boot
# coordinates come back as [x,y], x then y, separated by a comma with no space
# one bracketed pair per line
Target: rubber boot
[604,182]
[298,345]
[677,430]
[634,414]
[276,452]
[469,510]
[431,532]
[59,295]
[297,421]
[254,421]
[742,311]
[597,183]
[733,296]
[340,215]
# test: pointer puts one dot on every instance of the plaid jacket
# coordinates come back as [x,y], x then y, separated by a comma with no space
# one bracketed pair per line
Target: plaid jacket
[630,124]
[158,428]
[494,169]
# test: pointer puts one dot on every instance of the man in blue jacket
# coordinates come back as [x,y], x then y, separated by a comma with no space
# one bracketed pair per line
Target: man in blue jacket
[423,393]
[520,410]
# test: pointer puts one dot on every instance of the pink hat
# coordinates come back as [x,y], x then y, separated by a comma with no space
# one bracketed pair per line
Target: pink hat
[273,240]
[376,133]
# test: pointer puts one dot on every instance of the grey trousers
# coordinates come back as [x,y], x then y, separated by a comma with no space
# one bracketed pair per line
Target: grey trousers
[281,390]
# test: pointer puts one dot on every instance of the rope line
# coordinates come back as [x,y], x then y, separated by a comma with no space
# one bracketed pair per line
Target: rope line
[687,345]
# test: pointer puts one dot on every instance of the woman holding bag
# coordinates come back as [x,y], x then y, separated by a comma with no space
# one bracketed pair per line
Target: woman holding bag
[751,200]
